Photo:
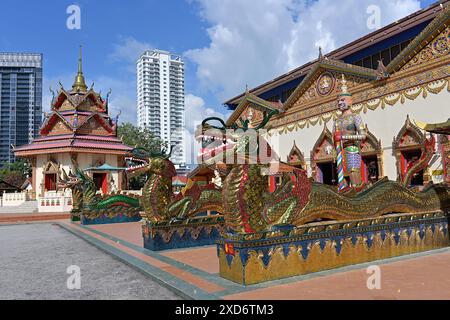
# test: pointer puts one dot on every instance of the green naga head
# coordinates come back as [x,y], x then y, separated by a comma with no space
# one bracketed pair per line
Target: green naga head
[75,178]
[157,163]
[231,144]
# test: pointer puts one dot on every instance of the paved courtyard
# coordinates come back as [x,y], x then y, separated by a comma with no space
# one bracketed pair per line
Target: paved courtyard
[33,265]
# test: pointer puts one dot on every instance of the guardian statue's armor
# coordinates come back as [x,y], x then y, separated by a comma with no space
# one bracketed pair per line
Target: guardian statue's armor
[349,131]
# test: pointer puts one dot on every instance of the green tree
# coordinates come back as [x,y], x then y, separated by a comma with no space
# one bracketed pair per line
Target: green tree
[132,136]
[20,166]
[15,173]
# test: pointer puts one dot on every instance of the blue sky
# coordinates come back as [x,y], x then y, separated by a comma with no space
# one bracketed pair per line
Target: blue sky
[226,43]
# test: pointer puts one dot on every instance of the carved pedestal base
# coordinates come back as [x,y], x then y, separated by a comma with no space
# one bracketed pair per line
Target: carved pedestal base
[257,258]
[110,216]
[183,234]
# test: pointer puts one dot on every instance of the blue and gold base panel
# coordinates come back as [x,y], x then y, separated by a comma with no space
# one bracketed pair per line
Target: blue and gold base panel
[183,234]
[255,258]
[110,217]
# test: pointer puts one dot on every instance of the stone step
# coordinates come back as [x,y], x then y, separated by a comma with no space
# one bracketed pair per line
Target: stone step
[27,207]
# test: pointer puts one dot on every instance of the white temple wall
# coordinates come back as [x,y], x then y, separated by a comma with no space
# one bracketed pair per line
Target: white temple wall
[84,161]
[383,123]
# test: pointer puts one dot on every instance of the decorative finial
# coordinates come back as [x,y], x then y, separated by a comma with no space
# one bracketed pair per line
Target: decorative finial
[53,94]
[246,89]
[108,94]
[381,70]
[320,53]
[79,84]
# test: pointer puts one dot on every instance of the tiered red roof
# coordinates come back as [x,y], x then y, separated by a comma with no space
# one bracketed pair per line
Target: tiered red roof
[79,122]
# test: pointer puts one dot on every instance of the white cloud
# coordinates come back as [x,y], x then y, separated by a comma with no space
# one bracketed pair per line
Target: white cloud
[254,41]
[195,111]
[129,49]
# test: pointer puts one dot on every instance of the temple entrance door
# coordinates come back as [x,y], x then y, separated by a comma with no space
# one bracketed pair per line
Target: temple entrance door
[327,173]
[408,157]
[101,181]
[50,181]
[369,169]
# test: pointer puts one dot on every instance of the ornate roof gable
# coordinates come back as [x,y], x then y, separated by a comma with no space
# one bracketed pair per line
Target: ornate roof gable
[323,148]
[87,101]
[409,135]
[436,29]
[322,78]
[253,102]
[55,120]
[371,144]
[295,155]
[442,128]
[95,120]
[79,98]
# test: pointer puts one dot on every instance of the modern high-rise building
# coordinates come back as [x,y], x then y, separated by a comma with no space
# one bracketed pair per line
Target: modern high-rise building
[20,100]
[160,98]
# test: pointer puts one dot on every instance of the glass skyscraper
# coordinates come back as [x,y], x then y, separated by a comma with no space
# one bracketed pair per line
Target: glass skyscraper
[20,100]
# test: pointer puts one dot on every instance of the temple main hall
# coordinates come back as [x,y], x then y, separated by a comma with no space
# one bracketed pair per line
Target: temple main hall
[398,77]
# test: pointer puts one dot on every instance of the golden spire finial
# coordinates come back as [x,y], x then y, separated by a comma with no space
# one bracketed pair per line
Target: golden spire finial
[79,84]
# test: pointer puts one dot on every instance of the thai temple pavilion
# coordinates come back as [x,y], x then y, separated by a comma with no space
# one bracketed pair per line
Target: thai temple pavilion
[78,128]
[397,75]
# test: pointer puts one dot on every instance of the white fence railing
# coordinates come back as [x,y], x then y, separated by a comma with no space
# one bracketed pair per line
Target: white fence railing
[53,201]
[14,199]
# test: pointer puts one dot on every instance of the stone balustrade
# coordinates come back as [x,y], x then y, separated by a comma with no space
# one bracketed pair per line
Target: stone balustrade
[14,199]
[55,201]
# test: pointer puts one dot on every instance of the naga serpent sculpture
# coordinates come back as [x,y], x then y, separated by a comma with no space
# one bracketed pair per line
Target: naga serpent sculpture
[86,200]
[249,207]
[158,201]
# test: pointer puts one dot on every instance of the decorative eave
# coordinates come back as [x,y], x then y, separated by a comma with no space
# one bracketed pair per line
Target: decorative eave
[258,103]
[373,139]
[377,36]
[329,64]
[97,116]
[408,126]
[325,135]
[95,98]
[50,122]
[431,31]
[439,128]
[294,150]
[33,153]
[63,95]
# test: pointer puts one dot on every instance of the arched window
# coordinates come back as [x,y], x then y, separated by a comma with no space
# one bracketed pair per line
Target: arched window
[407,148]
[296,158]
[323,162]
[372,158]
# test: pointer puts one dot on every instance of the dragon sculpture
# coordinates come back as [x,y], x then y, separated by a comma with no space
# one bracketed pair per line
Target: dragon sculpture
[158,201]
[249,207]
[86,200]
[421,163]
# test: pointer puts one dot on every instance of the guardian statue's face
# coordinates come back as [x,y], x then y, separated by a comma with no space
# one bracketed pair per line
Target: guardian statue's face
[344,103]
